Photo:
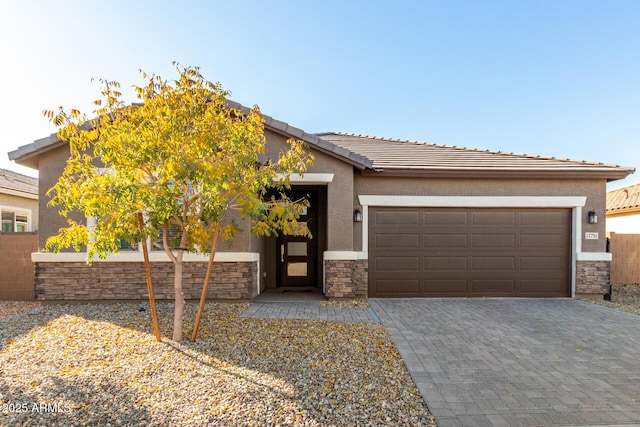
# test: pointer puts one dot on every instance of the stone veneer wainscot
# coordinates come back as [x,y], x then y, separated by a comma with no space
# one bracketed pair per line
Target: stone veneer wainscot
[346,278]
[127,281]
[592,278]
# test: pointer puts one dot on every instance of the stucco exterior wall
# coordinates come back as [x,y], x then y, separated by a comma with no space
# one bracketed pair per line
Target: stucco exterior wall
[51,164]
[594,190]
[629,224]
[339,192]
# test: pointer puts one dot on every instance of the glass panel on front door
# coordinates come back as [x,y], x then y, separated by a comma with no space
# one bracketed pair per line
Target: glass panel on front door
[297,248]
[297,269]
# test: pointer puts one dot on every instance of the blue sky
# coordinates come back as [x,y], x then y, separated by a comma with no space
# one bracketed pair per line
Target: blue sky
[557,77]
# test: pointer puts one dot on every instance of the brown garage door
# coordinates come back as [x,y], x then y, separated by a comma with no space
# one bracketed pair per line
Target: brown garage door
[438,252]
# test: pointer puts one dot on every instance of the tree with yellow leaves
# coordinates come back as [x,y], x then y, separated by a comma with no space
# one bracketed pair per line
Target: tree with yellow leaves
[181,156]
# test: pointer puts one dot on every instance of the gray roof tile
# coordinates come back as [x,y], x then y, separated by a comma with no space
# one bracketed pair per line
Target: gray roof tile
[17,182]
[396,154]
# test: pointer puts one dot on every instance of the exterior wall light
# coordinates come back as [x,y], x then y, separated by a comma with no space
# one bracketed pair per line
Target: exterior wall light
[592,217]
[357,216]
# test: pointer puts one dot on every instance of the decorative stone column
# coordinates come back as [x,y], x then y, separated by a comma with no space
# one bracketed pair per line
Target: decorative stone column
[592,278]
[346,278]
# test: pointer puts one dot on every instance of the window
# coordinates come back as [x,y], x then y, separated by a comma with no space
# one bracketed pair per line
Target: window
[14,221]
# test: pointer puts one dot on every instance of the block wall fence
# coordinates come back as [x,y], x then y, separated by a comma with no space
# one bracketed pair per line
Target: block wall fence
[625,265]
[16,268]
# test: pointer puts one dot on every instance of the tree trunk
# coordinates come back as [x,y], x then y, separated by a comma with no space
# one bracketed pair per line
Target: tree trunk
[178,313]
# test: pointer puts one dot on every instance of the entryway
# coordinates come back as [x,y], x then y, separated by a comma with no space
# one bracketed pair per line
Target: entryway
[291,294]
[298,259]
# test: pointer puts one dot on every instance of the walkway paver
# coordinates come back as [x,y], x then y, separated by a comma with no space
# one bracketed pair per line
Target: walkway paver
[519,362]
[308,310]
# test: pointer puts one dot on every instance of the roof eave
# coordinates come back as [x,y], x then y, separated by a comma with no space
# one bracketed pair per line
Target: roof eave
[608,174]
[18,193]
[623,212]
[27,155]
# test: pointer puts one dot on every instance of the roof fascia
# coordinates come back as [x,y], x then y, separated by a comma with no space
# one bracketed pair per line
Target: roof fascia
[623,211]
[27,155]
[609,174]
[18,193]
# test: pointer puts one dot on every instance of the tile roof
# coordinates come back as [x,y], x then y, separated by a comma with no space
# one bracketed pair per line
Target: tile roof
[10,180]
[403,157]
[624,199]
[397,154]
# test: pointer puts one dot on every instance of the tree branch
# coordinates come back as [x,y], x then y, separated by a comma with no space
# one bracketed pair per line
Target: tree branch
[165,243]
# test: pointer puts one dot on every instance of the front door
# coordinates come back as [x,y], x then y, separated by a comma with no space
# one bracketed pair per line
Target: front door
[297,254]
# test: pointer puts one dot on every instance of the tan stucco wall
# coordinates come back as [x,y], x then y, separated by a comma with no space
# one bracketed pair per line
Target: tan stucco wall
[594,190]
[22,203]
[627,223]
[50,164]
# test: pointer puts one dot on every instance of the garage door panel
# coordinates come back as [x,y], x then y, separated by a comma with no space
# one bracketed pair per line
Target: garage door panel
[469,252]
[543,287]
[445,287]
[544,219]
[543,240]
[494,218]
[493,287]
[409,241]
[398,218]
[445,241]
[493,240]
[543,263]
[495,263]
[445,217]
[406,263]
[436,263]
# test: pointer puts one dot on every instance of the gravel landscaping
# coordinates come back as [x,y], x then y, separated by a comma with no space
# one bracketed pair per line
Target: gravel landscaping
[623,297]
[99,365]
[88,364]
[9,308]
[346,303]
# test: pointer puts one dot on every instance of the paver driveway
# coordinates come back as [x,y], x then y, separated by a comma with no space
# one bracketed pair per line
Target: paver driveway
[497,362]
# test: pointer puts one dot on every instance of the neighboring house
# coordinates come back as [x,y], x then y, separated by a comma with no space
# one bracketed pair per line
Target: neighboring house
[391,218]
[623,210]
[18,236]
[18,202]
[623,229]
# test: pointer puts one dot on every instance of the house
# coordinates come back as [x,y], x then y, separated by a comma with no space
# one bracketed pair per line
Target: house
[18,237]
[623,230]
[623,210]
[18,202]
[391,218]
